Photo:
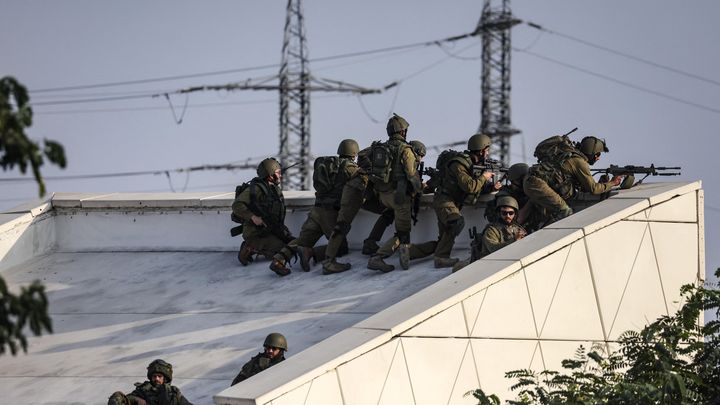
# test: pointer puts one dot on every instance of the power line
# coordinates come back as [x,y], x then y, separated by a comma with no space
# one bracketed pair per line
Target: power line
[620,82]
[260,67]
[623,54]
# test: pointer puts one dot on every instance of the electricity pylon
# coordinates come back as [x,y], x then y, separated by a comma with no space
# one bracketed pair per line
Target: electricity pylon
[494,28]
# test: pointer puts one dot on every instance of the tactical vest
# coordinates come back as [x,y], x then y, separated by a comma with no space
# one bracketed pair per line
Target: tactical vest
[153,395]
[387,178]
[266,201]
[329,178]
[491,206]
[507,233]
[448,183]
[552,153]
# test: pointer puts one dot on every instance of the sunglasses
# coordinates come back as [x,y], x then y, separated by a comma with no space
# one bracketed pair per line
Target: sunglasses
[507,213]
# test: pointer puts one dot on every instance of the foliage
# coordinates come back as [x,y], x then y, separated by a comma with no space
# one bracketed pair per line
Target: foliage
[15,146]
[29,308]
[674,360]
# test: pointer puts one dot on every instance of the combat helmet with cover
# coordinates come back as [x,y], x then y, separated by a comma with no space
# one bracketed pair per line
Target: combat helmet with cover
[419,148]
[276,340]
[478,142]
[396,124]
[348,148]
[162,367]
[267,167]
[507,201]
[517,171]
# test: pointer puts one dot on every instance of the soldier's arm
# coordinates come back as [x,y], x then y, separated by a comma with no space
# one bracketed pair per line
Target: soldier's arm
[410,166]
[466,182]
[492,239]
[581,172]
[241,205]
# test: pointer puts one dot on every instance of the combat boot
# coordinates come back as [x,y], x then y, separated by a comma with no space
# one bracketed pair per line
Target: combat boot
[245,255]
[369,247]
[306,254]
[404,252]
[462,263]
[330,266]
[377,263]
[442,262]
[279,268]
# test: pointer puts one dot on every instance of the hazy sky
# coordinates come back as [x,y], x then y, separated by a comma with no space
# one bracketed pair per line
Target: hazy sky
[647,114]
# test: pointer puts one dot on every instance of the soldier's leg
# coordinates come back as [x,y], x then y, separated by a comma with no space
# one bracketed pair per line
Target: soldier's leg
[541,194]
[273,247]
[402,209]
[386,218]
[450,224]
[420,250]
[350,204]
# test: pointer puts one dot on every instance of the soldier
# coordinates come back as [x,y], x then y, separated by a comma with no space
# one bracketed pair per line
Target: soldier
[394,176]
[330,175]
[497,234]
[261,209]
[275,346]
[563,169]
[527,216]
[457,184]
[357,193]
[156,391]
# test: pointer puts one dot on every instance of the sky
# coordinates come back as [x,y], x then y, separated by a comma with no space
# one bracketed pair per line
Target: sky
[660,103]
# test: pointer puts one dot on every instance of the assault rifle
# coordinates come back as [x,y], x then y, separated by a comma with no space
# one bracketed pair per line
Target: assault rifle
[631,170]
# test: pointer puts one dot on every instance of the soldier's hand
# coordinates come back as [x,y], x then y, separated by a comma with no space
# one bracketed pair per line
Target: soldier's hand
[617,180]
[488,175]
[257,220]
[520,233]
[497,186]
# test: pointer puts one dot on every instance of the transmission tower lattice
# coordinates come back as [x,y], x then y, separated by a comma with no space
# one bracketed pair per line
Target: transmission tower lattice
[295,100]
[494,27]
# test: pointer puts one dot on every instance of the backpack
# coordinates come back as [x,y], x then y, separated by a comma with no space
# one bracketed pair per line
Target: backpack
[325,170]
[381,162]
[555,149]
[363,160]
[238,190]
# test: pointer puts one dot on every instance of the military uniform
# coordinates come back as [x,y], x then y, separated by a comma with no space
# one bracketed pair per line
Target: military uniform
[153,393]
[497,235]
[392,196]
[457,185]
[257,364]
[550,185]
[164,394]
[324,215]
[265,200]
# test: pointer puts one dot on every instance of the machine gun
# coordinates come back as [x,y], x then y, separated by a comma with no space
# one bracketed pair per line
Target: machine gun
[490,165]
[632,170]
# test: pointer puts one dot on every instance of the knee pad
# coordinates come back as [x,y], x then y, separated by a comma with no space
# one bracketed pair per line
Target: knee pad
[456,226]
[343,228]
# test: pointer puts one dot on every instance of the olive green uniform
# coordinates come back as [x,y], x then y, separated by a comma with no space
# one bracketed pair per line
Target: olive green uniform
[457,185]
[265,200]
[164,394]
[497,235]
[549,186]
[324,215]
[257,364]
[396,195]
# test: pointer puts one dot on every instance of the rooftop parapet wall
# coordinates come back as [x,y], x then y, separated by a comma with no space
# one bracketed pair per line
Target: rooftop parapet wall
[583,280]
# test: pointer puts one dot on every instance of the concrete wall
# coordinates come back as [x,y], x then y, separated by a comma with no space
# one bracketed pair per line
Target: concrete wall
[611,267]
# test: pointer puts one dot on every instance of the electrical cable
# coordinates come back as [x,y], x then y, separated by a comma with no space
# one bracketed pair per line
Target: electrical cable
[246,69]
[621,82]
[623,54]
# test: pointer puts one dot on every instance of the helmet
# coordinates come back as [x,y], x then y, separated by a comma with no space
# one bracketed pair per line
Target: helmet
[507,201]
[267,167]
[591,145]
[162,367]
[276,340]
[419,148]
[478,142]
[517,171]
[396,124]
[348,147]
